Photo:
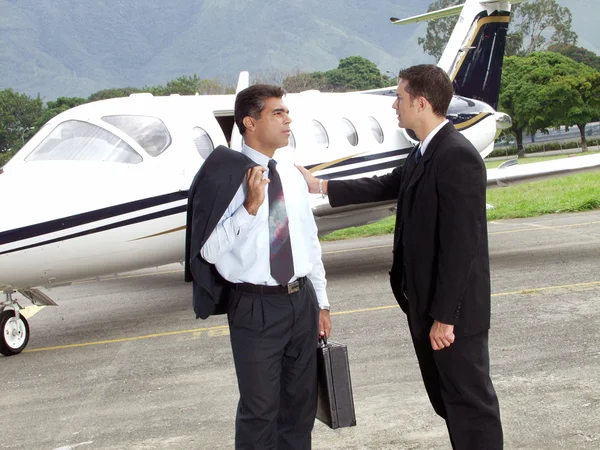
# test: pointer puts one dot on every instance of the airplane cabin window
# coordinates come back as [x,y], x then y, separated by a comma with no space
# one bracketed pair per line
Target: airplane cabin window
[203,142]
[350,132]
[320,134]
[150,132]
[75,140]
[376,129]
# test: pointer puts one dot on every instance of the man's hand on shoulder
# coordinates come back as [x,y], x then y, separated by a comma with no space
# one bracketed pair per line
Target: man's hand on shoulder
[441,335]
[311,181]
[256,189]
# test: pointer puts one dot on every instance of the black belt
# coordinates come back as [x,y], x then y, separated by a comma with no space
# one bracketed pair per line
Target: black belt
[267,290]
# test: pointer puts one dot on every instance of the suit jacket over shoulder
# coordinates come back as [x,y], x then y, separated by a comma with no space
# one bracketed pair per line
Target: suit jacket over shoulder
[211,191]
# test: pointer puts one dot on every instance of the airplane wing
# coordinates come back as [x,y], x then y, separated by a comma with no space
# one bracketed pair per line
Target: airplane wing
[446,12]
[512,173]
[441,13]
[330,219]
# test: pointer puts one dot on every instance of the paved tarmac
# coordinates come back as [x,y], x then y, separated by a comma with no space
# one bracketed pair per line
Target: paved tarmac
[123,364]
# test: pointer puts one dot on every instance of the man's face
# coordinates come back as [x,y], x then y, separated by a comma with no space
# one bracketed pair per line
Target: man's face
[404,106]
[273,127]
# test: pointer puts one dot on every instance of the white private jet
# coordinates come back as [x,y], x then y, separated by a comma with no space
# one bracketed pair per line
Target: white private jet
[102,188]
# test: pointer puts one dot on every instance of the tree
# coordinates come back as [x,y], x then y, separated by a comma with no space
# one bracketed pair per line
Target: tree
[540,18]
[190,85]
[532,22]
[61,104]
[19,115]
[354,73]
[578,54]
[114,93]
[439,30]
[584,106]
[305,81]
[547,89]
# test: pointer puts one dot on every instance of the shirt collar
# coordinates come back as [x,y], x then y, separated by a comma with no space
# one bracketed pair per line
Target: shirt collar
[430,136]
[255,156]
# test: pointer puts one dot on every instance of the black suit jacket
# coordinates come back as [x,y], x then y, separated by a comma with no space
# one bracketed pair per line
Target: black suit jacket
[441,256]
[212,189]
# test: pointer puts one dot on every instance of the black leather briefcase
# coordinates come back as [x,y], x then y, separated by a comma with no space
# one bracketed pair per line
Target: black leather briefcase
[335,407]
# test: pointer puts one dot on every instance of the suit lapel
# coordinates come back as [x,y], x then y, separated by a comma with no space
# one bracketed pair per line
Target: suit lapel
[429,151]
[409,167]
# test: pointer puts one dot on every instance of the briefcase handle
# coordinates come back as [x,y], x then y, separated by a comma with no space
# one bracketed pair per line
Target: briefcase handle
[323,341]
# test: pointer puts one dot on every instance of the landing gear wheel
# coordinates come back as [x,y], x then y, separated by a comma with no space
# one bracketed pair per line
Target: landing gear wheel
[15,333]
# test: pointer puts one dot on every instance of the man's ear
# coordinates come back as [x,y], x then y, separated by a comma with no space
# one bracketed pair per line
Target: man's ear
[249,123]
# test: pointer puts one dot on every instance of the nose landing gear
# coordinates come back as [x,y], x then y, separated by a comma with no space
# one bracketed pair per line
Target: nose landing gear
[14,328]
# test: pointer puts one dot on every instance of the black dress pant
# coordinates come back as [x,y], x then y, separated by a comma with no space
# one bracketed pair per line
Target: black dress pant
[459,387]
[274,340]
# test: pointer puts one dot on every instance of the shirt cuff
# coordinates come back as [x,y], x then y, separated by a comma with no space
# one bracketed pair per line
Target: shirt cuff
[322,300]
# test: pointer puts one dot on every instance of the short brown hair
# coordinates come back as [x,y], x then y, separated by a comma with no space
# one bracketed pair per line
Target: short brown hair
[251,102]
[431,82]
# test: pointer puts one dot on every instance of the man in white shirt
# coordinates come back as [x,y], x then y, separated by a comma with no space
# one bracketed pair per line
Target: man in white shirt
[270,253]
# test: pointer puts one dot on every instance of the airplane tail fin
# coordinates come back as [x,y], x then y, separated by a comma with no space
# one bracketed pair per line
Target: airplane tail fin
[474,54]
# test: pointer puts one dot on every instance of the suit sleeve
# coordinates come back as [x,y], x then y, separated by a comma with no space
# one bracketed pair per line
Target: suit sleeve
[461,184]
[364,190]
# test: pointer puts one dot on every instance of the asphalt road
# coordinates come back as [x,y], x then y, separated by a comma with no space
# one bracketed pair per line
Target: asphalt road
[123,364]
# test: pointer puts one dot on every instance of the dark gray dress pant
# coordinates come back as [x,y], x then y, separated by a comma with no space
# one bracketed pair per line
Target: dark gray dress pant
[274,340]
[457,380]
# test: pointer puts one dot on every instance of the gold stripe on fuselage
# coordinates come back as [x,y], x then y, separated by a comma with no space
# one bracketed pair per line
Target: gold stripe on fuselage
[472,121]
[331,163]
[160,234]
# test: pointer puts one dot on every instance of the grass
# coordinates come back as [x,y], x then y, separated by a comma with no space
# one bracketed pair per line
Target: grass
[559,195]
[384,226]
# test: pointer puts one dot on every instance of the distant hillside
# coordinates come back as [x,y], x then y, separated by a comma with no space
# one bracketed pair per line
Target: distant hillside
[585,22]
[66,48]
[60,47]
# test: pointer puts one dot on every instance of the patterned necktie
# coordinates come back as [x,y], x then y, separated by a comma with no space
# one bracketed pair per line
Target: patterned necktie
[282,263]
[418,154]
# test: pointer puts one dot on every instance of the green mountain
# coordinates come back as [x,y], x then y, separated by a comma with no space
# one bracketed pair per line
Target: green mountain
[74,48]
[68,48]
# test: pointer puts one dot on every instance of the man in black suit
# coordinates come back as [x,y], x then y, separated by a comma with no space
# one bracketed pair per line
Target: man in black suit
[440,273]
[265,247]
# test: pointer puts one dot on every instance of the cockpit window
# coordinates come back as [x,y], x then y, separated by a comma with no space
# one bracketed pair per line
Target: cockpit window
[150,132]
[75,140]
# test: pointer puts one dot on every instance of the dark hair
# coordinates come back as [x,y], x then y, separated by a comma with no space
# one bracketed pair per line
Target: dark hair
[431,82]
[251,102]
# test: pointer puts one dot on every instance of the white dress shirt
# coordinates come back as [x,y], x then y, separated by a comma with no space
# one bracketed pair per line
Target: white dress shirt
[239,245]
[430,136]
